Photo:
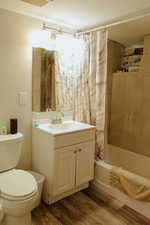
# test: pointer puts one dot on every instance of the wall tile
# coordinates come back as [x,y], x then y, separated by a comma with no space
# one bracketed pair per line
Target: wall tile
[147,44]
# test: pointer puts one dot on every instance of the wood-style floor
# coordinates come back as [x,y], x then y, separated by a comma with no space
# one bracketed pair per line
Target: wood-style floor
[84,209]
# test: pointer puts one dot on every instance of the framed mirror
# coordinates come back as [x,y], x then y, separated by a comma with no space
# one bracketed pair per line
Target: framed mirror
[43,80]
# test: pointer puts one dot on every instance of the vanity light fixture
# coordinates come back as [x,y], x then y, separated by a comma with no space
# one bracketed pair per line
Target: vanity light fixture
[57,30]
[53,31]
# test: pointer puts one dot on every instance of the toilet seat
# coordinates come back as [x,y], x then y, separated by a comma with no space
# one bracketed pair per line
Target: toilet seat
[17,185]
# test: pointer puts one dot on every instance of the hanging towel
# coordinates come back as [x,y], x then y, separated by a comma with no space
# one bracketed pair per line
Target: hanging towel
[135,186]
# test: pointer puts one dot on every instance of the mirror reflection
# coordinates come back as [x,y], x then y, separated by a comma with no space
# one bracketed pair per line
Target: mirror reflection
[43,83]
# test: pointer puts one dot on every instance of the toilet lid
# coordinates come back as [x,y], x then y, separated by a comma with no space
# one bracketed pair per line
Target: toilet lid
[17,184]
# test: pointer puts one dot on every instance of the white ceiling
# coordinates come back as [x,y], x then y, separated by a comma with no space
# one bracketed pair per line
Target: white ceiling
[131,33]
[80,14]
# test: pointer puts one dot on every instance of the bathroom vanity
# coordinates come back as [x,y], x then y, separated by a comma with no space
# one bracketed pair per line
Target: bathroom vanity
[64,154]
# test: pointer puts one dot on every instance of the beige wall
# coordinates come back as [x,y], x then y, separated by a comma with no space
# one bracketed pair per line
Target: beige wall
[16,74]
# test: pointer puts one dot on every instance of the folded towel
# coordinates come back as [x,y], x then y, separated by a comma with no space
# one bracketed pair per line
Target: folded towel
[135,186]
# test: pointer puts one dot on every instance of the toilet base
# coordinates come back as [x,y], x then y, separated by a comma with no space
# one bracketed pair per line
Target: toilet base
[14,220]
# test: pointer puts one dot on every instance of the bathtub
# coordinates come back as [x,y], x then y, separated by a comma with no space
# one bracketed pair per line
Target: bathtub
[134,163]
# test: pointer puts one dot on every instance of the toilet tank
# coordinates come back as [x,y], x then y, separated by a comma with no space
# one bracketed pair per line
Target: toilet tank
[10,150]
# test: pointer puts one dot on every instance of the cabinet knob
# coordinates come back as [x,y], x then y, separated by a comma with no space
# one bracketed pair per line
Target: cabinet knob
[80,150]
[75,151]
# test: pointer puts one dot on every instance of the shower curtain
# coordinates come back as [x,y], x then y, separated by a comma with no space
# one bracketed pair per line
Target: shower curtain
[98,87]
[83,89]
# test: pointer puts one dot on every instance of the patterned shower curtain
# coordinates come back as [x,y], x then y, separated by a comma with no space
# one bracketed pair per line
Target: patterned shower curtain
[84,90]
[98,73]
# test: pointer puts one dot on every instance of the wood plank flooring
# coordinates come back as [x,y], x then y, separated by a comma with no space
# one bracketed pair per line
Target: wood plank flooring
[82,209]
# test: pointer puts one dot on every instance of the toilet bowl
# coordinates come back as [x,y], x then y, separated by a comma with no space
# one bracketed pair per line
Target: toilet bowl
[18,188]
[18,193]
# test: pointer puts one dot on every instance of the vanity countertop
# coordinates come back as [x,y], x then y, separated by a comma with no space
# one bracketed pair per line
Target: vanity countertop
[69,126]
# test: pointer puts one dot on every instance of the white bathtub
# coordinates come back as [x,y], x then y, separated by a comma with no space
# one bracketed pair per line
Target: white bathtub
[133,162]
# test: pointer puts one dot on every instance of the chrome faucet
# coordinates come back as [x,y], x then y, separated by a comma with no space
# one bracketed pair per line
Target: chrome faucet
[58,118]
[62,114]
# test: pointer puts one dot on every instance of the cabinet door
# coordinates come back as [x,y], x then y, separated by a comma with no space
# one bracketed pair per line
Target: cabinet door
[85,162]
[64,176]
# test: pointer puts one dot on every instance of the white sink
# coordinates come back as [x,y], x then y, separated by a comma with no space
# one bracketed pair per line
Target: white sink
[65,127]
[61,126]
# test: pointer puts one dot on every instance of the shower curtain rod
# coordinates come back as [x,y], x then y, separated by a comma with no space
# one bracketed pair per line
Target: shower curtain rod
[113,24]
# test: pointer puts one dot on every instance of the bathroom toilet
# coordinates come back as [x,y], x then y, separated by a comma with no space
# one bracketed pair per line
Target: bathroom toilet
[18,188]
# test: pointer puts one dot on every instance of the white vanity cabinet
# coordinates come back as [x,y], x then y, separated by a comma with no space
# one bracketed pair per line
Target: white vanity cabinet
[74,166]
[66,160]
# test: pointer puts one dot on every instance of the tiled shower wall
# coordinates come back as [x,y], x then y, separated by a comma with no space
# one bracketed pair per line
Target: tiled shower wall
[115,53]
[130,107]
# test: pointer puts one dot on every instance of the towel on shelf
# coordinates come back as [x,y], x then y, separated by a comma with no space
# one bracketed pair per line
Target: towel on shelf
[137,187]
